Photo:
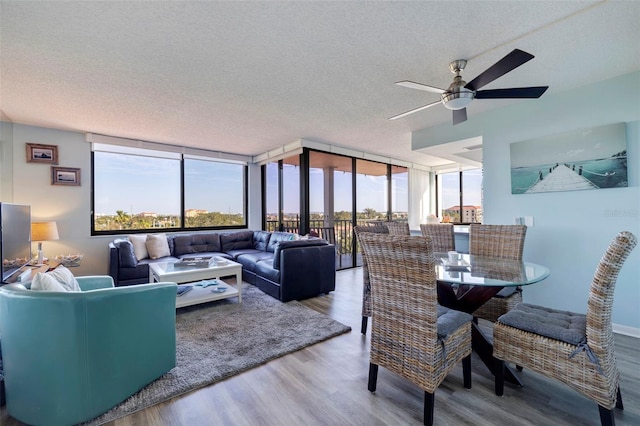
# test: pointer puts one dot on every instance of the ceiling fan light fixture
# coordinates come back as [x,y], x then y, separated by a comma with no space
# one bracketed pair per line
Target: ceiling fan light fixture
[458,99]
[459,94]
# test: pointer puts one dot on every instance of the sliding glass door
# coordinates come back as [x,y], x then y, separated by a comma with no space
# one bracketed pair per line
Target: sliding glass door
[331,195]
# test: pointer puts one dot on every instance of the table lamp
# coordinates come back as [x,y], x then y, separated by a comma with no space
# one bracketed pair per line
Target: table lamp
[43,231]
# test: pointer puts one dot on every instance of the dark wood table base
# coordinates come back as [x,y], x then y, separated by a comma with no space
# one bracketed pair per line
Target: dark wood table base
[468,298]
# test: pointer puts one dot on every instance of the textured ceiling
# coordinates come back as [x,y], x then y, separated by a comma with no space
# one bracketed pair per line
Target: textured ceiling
[247,77]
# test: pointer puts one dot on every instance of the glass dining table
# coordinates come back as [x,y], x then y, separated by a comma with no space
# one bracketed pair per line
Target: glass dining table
[468,283]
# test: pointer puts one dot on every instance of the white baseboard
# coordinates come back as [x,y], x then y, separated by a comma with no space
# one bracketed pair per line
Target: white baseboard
[626,330]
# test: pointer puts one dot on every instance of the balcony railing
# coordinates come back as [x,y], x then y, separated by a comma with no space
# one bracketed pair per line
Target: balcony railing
[341,235]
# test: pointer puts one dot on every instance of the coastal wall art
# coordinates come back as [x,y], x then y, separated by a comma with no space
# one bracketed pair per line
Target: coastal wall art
[593,158]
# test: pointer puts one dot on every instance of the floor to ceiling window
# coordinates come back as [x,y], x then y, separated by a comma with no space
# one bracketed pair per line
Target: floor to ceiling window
[330,202]
[271,196]
[342,192]
[399,193]
[290,214]
[371,191]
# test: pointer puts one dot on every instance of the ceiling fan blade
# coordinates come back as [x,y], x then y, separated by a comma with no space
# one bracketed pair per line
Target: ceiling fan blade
[514,92]
[459,115]
[510,62]
[404,114]
[419,86]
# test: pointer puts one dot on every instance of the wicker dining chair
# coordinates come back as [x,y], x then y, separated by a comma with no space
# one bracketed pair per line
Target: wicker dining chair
[366,283]
[505,242]
[398,228]
[411,335]
[329,233]
[575,349]
[441,235]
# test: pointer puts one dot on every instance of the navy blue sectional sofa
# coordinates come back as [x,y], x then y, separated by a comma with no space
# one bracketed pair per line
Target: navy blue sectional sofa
[281,267]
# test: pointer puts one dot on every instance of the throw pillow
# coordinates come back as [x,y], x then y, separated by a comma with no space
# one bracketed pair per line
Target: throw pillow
[45,282]
[157,246]
[139,242]
[65,278]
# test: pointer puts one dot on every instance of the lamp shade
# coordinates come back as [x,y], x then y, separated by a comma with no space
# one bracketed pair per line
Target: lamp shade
[44,231]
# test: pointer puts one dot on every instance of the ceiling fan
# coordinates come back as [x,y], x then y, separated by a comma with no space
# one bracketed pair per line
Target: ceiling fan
[459,94]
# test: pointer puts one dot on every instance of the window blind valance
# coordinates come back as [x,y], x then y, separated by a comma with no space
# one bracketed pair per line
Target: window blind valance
[106,143]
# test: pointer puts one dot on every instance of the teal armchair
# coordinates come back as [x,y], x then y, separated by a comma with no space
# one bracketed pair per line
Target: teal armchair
[69,357]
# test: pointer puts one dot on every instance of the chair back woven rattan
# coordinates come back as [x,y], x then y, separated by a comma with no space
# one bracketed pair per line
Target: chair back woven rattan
[441,235]
[404,333]
[366,283]
[505,242]
[398,228]
[599,380]
[329,233]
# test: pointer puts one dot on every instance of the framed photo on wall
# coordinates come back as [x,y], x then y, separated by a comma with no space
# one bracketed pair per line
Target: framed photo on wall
[69,176]
[37,153]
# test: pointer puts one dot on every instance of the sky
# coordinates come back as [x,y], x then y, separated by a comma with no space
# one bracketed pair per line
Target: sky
[450,192]
[144,184]
[578,145]
[138,184]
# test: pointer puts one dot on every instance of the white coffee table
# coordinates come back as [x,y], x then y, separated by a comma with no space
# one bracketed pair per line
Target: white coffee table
[167,271]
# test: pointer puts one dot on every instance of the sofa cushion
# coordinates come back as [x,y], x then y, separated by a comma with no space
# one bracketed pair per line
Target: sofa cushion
[126,256]
[261,239]
[506,292]
[157,246]
[172,246]
[249,260]
[297,243]
[235,253]
[265,269]
[277,238]
[236,241]
[196,243]
[140,273]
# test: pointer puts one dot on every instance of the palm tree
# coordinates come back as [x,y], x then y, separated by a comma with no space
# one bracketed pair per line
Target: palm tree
[122,218]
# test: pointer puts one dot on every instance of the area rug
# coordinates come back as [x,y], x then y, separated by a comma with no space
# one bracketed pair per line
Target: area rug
[220,339]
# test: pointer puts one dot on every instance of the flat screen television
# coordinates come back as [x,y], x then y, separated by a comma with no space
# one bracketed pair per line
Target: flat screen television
[15,237]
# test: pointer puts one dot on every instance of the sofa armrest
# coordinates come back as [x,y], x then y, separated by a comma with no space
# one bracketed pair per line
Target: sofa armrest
[294,244]
[95,282]
[307,271]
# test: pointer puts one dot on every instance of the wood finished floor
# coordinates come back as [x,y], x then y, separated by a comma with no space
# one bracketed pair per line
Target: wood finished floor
[326,384]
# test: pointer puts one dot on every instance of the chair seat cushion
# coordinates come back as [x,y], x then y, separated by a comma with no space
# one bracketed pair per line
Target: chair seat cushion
[506,292]
[565,326]
[449,320]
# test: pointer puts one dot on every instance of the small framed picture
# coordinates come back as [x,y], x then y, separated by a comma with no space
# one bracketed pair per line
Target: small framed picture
[65,176]
[37,153]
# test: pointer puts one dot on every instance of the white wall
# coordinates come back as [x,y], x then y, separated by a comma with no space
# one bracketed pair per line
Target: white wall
[6,161]
[572,229]
[69,206]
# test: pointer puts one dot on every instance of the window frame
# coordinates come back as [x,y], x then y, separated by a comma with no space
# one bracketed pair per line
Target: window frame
[460,195]
[181,228]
